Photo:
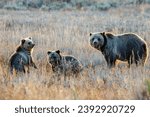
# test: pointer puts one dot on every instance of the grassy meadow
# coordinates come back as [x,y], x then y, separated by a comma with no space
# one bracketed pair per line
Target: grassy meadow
[68,31]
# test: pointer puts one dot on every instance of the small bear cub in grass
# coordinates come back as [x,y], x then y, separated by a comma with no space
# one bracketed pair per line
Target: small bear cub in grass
[63,64]
[22,57]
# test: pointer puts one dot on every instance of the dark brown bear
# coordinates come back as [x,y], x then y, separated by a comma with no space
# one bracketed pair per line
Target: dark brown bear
[22,57]
[125,47]
[63,64]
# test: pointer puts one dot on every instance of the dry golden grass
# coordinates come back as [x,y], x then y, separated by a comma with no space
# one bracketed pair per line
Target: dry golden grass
[69,32]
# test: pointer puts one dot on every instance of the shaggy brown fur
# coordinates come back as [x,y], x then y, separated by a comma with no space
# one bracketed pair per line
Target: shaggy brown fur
[125,47]
[63,64]
[22,57]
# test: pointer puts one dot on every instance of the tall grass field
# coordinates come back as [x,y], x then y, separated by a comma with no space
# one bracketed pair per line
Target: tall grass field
[68,31]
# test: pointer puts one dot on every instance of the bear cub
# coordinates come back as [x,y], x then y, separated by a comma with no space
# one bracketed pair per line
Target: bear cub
[22,57]
[63,64]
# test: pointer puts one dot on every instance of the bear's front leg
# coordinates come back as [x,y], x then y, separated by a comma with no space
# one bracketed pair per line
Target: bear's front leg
[33,64]
[111,60]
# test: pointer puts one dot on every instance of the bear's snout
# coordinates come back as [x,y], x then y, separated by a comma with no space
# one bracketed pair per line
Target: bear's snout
[54,58]
[95,43]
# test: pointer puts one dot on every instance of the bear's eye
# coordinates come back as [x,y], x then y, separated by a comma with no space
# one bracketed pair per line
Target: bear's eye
[29,43]
[98,39]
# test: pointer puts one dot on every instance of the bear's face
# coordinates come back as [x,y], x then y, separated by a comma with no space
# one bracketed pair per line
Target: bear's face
[54,57]
[27,43]
[96,40]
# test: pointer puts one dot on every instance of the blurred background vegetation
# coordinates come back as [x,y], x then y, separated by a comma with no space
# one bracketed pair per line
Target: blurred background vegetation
[69,32]
[67,4]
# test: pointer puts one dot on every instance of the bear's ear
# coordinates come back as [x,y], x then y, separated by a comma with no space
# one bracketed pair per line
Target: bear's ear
[58,51]
[22,41]
[90,33]
[102,33]
[48,52]
[30,38]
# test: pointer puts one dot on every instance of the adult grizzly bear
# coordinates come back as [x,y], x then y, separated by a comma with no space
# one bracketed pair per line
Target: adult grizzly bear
[125,47]
[22,57]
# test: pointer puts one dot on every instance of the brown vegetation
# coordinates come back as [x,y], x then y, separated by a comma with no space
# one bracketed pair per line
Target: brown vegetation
[69,32]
